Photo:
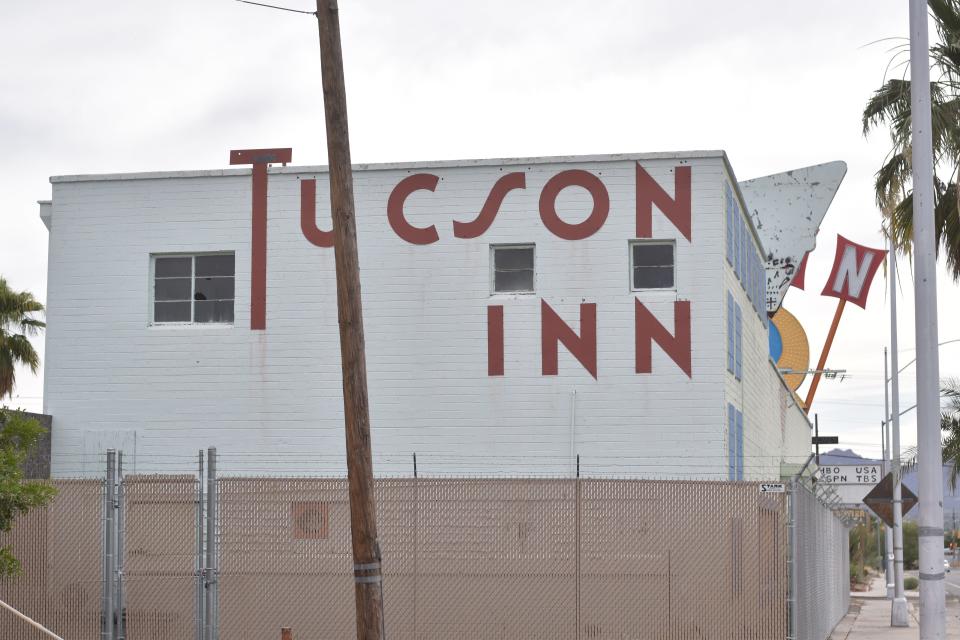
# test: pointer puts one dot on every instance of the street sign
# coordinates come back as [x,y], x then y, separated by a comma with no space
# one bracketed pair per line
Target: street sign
[825,440]
[880,499]
[772,487]
[850,482]
[867,474]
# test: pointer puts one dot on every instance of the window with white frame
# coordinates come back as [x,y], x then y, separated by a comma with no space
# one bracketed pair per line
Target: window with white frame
[652,265]
[193,288]
[512,268]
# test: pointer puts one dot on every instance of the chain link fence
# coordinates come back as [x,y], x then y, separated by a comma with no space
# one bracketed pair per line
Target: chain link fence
[59,548]
[820,565]
[478,558]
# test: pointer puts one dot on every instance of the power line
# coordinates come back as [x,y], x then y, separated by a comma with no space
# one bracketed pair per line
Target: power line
[273,6]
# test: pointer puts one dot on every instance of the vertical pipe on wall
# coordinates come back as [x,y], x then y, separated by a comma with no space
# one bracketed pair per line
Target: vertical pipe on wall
[573,430]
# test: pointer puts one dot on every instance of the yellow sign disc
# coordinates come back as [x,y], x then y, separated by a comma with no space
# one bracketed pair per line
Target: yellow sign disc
[789,346]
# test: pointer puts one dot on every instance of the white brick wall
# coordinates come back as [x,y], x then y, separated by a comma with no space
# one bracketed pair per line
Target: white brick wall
[277,392]
[772,434]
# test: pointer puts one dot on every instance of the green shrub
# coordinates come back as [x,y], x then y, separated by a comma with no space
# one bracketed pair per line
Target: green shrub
[18,435]
[911,545]
[910,583]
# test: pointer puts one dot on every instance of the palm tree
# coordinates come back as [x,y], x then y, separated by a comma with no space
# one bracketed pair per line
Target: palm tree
[950,433]
[950,424]
[890,107]
[17,322]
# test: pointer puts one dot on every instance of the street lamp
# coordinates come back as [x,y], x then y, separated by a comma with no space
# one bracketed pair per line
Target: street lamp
[940,344]
[914,405]
[895,541]
[929,457]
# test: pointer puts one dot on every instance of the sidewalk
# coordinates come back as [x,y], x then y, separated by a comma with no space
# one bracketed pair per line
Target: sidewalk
[869,617]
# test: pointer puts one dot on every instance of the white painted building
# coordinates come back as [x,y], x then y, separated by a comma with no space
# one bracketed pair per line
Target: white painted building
[153,296]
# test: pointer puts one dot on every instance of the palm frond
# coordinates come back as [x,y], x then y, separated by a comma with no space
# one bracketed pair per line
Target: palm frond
[946,14]
[19,319]
[891,179]
[887,103]
[947,225]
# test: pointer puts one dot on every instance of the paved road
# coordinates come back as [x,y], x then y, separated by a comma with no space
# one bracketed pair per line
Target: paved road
[953,583]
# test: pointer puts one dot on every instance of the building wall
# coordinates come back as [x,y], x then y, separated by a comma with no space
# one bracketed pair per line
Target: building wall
[114,380]
[797,433]
[771,426]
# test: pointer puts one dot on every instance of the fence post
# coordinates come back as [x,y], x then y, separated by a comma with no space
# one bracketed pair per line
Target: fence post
[121,605]
[792,577]
[201,573]
[577,524]
[109,532]
[416,540]
[212,630]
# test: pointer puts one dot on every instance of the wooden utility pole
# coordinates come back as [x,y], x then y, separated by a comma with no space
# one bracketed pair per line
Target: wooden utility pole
[363,524]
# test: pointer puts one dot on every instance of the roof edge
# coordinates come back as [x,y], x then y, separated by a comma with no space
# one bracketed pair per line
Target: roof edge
[383,166]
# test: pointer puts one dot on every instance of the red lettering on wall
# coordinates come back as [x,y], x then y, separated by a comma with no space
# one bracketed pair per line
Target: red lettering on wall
[548,204]
[308,216]
[675,345]
[677,209]
[583,347]
[495,340]
[259,158]
[408,232]
[477,227]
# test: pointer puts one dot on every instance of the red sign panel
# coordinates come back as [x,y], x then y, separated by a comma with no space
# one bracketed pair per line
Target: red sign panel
[853,269]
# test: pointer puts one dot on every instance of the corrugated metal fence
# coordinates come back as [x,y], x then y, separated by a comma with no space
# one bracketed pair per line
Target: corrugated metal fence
[463,558]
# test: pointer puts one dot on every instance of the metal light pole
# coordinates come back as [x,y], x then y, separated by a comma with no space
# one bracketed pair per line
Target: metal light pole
[899,615]
[887,531]
[929,458]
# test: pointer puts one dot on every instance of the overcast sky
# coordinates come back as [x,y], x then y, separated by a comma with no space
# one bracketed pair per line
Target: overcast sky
[116,87]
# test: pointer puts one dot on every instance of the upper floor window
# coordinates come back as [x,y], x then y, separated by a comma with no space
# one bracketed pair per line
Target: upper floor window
[513,268]
[734,338]
[193,288]
[652,265]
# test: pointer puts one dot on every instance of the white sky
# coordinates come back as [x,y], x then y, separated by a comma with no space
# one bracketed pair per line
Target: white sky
[93,87]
